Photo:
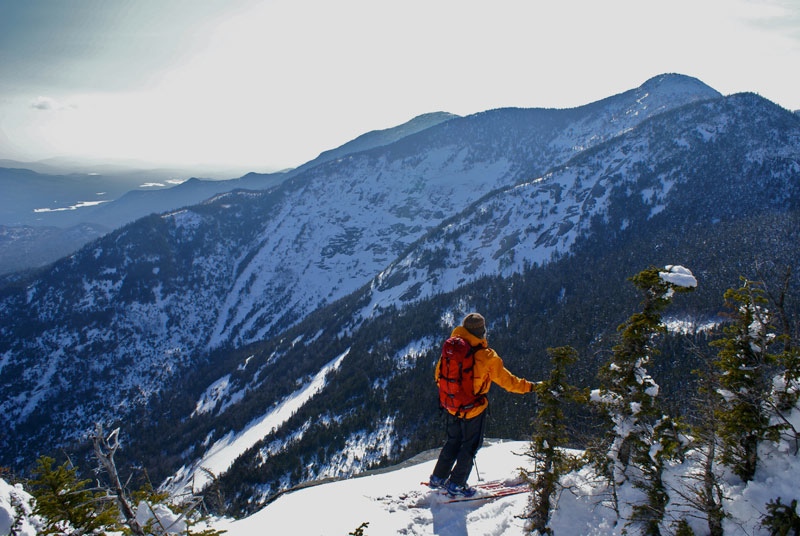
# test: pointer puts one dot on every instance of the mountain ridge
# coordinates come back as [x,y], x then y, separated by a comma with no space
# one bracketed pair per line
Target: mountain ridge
[118,207]
[202,287]
[417,353]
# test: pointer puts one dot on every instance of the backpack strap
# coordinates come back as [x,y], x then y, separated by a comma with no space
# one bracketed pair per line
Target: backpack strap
[470,353]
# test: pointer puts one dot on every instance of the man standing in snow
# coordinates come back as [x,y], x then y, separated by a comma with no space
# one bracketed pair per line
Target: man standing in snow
[465,427]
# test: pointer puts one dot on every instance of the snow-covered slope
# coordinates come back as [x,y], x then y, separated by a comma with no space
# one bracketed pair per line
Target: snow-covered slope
[162,291]
[219,457]
[624,182]
[393,502]
[80,210]
[346,220]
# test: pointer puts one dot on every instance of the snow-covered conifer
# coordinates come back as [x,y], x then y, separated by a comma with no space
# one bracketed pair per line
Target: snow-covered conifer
[550,460]
[704,491]
[67,504]
[746,367]
[641,437]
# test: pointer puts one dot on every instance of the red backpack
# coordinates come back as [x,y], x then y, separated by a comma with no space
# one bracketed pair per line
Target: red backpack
[456,376]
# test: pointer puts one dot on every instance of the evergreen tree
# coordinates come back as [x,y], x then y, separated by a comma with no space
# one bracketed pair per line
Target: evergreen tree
[706,493]
[743,394]
[550,460]
[746,367]
[682,528]
[782,519]
[641,438]
[787,389]
[67,504]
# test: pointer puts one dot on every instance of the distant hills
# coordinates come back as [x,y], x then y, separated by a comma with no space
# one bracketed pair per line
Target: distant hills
[40,202]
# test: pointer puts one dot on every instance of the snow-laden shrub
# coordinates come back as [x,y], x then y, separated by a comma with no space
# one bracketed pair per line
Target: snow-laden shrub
[16,511]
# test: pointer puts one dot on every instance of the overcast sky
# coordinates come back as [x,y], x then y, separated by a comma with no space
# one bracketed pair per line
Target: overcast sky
[266,85]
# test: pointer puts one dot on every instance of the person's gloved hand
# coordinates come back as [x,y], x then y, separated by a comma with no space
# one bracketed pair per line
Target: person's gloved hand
[537,387]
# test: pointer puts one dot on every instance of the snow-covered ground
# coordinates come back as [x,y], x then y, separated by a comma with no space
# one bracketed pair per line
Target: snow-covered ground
[395,502]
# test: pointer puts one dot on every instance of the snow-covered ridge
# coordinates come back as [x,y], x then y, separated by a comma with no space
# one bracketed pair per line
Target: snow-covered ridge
[219,457]
[540,219]
[149,301]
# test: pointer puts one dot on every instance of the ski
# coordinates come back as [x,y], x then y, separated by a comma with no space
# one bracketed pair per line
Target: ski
[493,489]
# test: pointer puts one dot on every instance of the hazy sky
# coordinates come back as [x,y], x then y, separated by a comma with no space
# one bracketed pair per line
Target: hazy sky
[270,84]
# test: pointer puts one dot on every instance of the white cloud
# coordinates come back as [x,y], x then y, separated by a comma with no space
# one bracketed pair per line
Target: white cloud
[273,84]
[44,103]
[48,103]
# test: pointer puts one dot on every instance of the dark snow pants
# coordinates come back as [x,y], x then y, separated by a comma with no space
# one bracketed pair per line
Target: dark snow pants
[464,438]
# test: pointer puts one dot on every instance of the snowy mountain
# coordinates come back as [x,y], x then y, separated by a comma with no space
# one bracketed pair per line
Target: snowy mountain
[201,326]
[36,205]
[661,165]
[23,247]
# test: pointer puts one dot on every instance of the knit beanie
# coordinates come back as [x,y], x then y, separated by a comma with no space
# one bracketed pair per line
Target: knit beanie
[475,324]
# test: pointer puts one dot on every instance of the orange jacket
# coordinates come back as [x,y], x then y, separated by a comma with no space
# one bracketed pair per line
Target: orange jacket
[488,368]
